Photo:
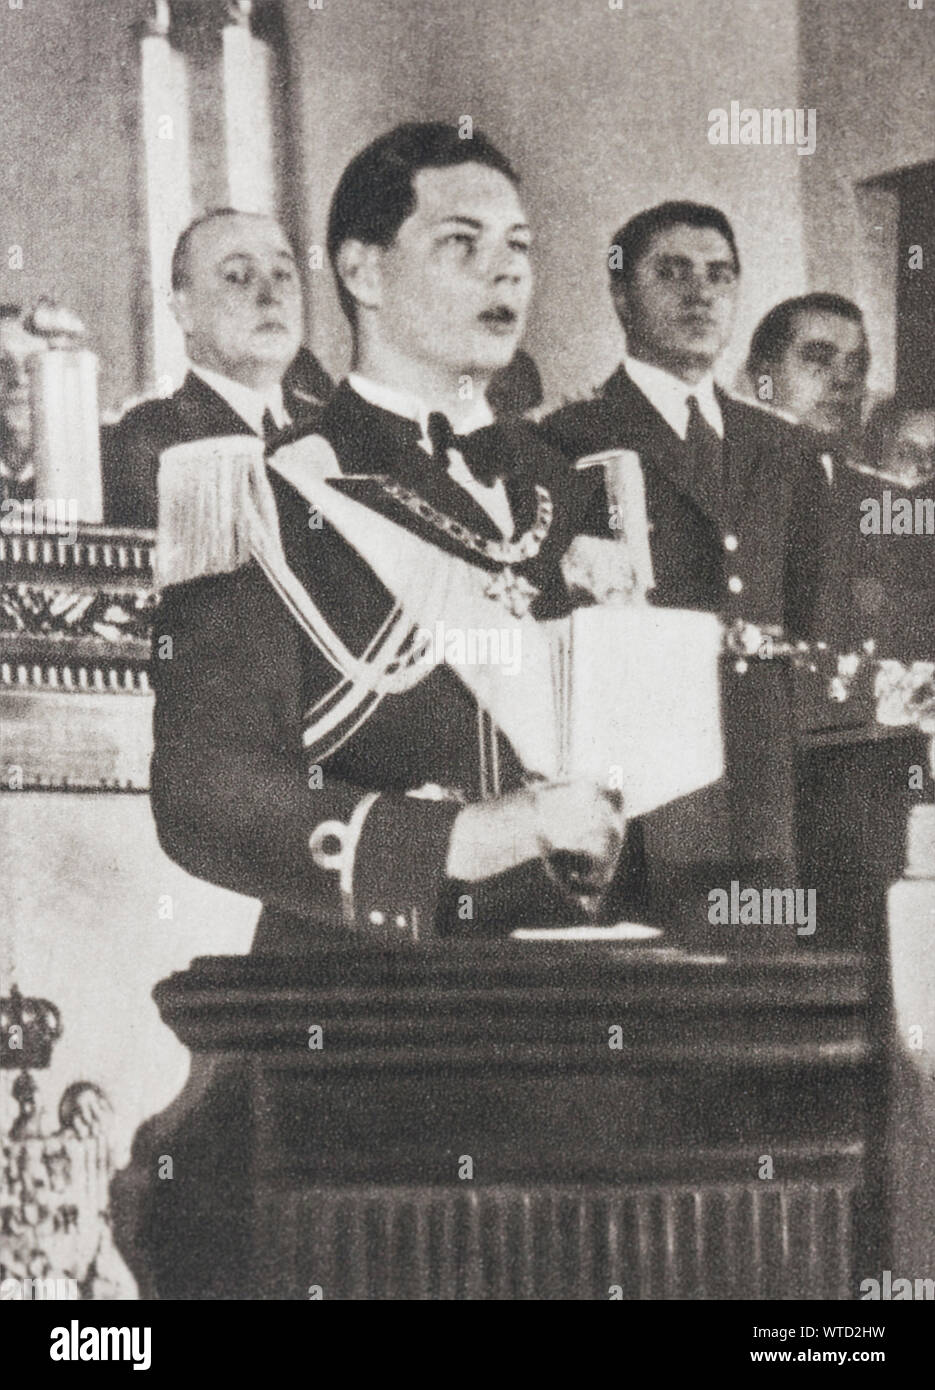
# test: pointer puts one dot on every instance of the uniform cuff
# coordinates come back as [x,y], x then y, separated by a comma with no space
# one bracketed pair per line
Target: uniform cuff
[398,871]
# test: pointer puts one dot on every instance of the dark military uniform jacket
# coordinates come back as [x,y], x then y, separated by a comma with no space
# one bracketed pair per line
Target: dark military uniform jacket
[130,449]
[753,549]
[892,576]
[234,798]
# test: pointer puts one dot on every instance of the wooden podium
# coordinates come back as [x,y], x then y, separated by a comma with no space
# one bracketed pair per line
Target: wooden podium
[513,1120]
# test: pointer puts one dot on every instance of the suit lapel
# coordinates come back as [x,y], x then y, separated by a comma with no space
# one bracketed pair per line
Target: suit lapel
[743,459]
[637,422]
[204,413]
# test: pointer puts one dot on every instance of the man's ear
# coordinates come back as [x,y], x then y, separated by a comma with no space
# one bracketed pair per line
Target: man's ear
[618,296]
[181,310]
[360,269]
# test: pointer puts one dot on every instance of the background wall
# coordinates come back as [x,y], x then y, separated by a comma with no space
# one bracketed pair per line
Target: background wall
[68,181]
[867,68]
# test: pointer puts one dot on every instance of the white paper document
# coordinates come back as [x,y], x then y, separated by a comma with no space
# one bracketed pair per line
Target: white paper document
[638,700]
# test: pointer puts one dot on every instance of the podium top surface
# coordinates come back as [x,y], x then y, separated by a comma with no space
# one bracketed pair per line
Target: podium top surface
[353,962]
[494,1000]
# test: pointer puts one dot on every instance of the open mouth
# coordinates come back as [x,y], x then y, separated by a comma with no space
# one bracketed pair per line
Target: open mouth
[500,319]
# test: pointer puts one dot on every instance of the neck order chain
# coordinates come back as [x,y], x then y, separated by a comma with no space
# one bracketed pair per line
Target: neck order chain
[501,552]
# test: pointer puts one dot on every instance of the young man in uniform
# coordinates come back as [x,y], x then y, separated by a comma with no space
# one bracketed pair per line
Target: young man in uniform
[309,748]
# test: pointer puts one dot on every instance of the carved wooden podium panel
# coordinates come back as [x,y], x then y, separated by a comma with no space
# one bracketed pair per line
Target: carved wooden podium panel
[522,1120]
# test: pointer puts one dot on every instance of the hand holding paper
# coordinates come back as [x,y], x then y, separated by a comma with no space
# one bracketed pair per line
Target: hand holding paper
[580,822]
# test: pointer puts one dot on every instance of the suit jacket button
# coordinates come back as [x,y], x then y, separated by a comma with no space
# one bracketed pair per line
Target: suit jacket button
[730,541]
[401,921]
[376,919]
[735,584]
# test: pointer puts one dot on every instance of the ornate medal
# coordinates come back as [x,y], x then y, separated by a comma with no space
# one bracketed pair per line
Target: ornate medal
[512,590]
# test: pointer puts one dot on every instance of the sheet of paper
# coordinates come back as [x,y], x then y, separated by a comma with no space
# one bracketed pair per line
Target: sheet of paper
[643,700]
[621,931]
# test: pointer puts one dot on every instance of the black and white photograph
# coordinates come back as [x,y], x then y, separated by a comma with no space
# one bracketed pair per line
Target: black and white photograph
[467,665]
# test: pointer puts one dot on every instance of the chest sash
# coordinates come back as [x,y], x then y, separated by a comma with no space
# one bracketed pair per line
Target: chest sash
[623,695]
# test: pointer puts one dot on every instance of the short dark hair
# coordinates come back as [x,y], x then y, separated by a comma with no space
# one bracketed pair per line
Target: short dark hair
[375,195]
[179,278]
[634,237]
[774,332]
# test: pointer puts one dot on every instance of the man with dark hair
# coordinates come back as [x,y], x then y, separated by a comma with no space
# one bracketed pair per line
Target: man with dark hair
[237,296]
[736,522]
[809,358]
[310,749]
[635,237]
[305,752]
[377,194]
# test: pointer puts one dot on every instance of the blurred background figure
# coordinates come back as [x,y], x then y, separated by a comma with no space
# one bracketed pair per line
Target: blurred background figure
[809,358]
[17,345]
[895,574]
[899,443]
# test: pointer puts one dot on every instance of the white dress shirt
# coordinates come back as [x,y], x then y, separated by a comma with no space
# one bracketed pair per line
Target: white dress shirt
[669,395]
[493,499]
[249,404]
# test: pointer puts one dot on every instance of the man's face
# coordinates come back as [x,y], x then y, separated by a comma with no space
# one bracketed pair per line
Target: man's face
[453,288]
[16,348]
[241,308]
[820,378]
[909,453]
[678,308]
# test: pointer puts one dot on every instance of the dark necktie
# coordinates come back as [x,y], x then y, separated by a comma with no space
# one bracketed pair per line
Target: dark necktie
[706,455]
[482,450]
[704,443]
[270,428]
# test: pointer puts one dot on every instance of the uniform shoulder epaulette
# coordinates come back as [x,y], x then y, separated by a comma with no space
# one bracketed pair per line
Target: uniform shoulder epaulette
[216,505]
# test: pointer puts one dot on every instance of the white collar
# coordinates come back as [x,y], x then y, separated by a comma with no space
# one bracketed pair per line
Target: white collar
[249,404]
[412,407]
[669,394]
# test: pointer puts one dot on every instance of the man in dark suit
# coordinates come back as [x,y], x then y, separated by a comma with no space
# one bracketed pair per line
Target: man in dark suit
[894,562]
[238,299]
[809,359]
[736,518]
[301,756]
